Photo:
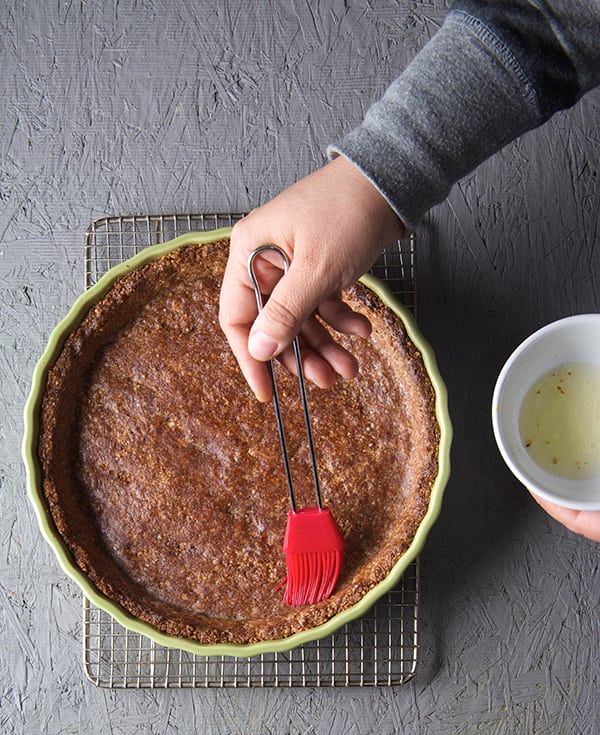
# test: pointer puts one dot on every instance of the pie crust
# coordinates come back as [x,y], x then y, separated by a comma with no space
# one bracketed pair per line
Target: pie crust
[164,477]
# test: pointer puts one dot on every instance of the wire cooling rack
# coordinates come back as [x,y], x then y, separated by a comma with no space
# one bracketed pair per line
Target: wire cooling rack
[378,649]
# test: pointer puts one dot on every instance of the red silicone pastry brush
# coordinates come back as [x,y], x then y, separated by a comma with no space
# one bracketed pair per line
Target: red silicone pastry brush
[313,544]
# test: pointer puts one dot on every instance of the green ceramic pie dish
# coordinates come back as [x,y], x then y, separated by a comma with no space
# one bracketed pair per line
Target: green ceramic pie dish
[51,534]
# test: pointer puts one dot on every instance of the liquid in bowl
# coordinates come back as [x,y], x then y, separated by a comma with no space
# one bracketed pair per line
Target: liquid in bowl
[559,421]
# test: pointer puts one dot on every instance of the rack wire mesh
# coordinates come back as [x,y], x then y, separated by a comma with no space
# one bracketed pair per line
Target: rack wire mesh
[378,649]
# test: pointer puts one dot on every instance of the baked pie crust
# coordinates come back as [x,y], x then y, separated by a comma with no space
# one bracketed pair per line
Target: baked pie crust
[164,477]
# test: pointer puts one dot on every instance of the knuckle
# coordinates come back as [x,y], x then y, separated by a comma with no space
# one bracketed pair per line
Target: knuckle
[238,233]
[245,228]
[282,313]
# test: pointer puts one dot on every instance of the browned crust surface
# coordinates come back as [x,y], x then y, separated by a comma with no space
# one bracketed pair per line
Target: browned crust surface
[164,476]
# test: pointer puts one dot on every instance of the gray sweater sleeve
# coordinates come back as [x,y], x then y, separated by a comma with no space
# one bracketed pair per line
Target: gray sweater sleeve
[493,71]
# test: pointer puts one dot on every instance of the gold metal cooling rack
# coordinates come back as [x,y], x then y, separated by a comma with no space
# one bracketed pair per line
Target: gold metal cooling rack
[378,649]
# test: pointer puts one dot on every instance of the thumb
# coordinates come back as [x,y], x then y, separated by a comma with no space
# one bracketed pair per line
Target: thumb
[291,302]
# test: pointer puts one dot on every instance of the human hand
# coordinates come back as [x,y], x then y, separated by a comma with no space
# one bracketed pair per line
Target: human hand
[584,523]
[332,225]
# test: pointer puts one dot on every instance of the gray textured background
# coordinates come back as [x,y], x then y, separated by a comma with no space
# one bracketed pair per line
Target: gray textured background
[154,106]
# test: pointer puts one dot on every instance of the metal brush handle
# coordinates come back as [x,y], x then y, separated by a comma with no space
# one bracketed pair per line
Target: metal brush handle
[296,347]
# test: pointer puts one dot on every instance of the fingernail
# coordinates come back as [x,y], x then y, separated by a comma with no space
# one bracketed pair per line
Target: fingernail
[261,346]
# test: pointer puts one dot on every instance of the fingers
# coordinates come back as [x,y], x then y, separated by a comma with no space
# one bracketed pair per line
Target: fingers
[331,226]
[323,363]
[291,302]
[255,338]
[340,317]
[289,312]
[583,523]
[255,372]
[323,359]
[237,311]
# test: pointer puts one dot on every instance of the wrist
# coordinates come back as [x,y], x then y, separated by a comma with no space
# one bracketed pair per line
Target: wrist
[373,201]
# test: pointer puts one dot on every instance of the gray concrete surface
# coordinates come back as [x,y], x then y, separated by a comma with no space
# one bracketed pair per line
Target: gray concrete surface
[111,108]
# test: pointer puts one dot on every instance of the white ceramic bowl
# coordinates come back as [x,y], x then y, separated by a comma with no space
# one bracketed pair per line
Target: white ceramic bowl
[574,339]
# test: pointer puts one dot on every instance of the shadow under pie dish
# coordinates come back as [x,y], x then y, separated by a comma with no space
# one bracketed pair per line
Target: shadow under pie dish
[158,480]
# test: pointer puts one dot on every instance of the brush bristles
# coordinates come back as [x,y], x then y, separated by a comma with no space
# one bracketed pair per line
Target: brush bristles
[311,576]
[314,550]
